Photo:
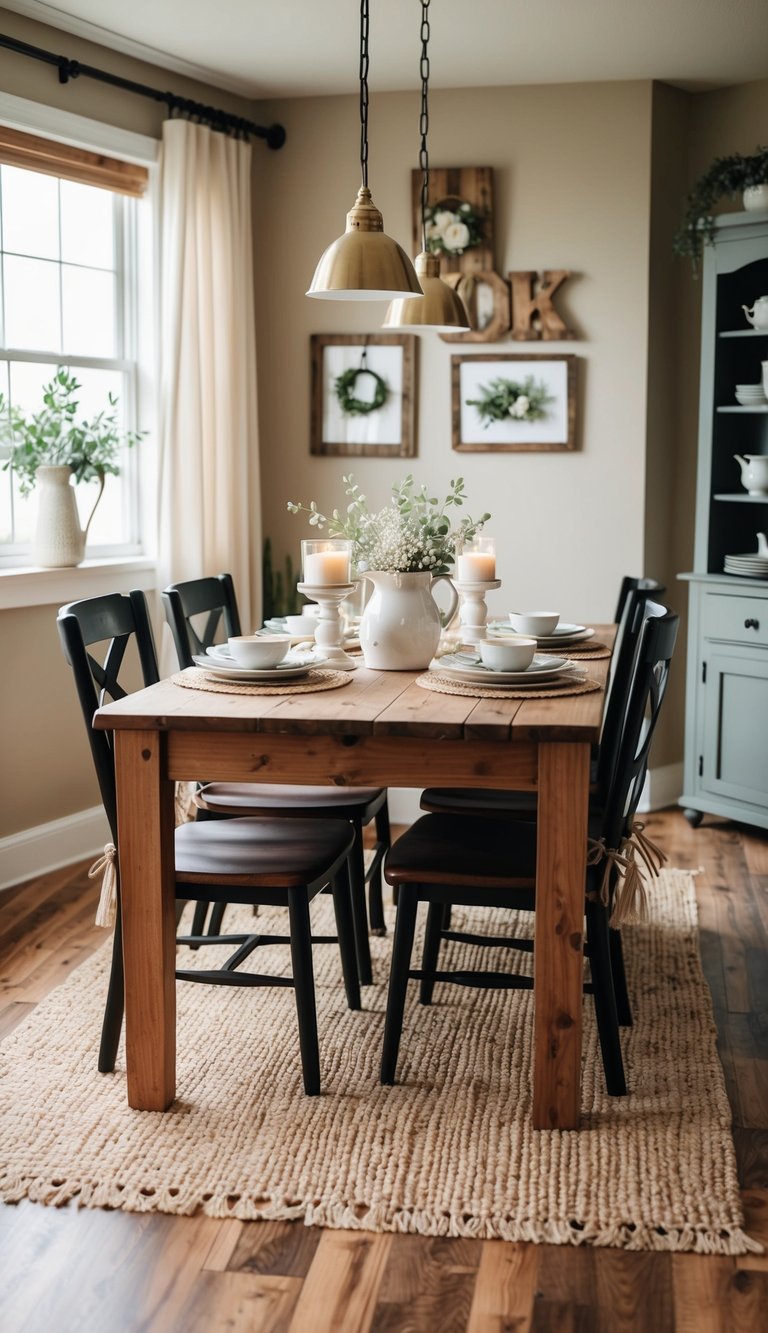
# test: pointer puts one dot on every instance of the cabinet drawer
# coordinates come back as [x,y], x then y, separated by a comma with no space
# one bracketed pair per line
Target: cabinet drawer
[737,619]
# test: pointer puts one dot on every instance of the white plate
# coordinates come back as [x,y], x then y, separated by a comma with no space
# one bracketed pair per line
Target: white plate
[543,668]
[565,635]
[221,670]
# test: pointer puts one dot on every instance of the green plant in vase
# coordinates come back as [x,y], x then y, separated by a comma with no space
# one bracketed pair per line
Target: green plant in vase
[50,447]
[727,177]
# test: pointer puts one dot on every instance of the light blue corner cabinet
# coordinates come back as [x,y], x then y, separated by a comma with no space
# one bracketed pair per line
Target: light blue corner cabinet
[726,729]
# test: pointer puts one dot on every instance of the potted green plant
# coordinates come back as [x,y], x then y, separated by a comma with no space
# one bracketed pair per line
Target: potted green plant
[46,449]
[726,177]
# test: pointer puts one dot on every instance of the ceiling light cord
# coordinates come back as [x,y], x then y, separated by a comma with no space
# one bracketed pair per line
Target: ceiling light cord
[424,119]
[363,75]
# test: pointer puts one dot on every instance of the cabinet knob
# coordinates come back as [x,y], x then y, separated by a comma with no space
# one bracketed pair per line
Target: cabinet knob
[751,623]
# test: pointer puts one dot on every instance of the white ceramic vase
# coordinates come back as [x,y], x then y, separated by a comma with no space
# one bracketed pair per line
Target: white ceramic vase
[400,628]
[755,198]
[59,539]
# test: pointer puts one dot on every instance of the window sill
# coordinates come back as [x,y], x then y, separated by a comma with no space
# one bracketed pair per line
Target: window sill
[32,586]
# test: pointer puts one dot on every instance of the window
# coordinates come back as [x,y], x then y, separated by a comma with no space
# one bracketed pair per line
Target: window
[68,297]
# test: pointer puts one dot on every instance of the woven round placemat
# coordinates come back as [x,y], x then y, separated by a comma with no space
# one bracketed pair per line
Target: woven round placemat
[589,653]
[318,678]
[442,684]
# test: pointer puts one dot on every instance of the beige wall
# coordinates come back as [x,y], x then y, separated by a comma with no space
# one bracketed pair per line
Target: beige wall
[572,181]
[47,772]
[585,178]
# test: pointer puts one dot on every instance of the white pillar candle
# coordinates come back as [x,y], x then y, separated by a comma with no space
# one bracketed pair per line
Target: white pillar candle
[476,567]
[326,567]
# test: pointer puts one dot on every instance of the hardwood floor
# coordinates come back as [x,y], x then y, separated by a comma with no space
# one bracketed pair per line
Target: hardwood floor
[111,1272]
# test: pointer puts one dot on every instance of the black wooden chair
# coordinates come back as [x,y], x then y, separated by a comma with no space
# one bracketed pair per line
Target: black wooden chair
[256,861]
[214,600]
[481,862]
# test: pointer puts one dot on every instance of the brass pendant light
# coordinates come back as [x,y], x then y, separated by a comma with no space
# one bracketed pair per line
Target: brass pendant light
[440,309]
[364,264]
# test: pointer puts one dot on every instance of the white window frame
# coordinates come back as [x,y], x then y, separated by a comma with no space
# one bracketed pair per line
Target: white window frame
[23,585]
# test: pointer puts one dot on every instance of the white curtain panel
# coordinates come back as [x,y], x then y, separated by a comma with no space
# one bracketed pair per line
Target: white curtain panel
[209,503]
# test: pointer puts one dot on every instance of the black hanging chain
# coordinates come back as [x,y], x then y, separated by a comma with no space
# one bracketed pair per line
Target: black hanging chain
[424,118]
[363,74]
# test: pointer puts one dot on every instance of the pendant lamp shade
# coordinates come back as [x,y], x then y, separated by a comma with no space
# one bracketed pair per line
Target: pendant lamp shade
[439,310]
[365,264]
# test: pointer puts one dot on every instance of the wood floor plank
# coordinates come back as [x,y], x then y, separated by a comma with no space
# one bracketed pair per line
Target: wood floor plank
[752,1157]
[700,1286]
[428,1282]
[634,1291]
[755,1202]
[340,1291]
[284,1249]
[11,1015]
[237,1303]
[505,1289]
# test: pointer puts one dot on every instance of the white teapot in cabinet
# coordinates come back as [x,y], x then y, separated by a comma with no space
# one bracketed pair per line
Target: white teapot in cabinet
[754,472]
[757,314]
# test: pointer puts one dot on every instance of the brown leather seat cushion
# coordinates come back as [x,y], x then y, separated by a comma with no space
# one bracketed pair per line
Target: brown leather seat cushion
[479,801]
[440,849]
[278,800]
[280,853]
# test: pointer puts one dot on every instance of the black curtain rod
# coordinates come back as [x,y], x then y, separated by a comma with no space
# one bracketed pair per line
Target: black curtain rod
[218,120]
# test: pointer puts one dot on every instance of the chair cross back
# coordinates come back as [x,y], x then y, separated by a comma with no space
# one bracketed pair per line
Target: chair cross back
[114,619]
[213,597]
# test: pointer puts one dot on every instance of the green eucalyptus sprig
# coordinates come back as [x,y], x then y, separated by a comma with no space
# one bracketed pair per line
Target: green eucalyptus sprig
[414,532]
[55,437]
[504,400]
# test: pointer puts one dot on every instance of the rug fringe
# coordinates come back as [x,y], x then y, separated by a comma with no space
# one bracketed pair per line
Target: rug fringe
[728,1240]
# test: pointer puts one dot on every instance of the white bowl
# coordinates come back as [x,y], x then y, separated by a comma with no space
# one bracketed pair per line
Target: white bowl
[259,653]
[510,654]
[539,623]
[303,624]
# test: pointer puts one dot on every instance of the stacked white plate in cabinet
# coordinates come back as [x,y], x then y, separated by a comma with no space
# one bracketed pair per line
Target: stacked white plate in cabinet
[747,566]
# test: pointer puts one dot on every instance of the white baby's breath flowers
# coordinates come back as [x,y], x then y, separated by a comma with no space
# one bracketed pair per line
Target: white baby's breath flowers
[411,534]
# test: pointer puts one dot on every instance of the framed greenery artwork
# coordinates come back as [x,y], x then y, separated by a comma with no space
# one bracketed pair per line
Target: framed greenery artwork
[507,403]
[363,394]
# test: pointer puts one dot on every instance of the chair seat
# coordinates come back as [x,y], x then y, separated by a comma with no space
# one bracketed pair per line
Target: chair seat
[479,800]
[254,852]
[439,850]
[235,798]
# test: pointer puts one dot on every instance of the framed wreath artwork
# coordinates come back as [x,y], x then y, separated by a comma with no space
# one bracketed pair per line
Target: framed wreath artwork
[363,394]
[507,403]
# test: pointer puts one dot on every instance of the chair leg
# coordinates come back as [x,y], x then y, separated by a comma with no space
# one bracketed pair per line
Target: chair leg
[342,906]
[217,916]
[198,921]
[605,1000]
[405,926]
[435,918]
[304,987]
[623,1006]
[359,914]
[375,898]
[113,1009]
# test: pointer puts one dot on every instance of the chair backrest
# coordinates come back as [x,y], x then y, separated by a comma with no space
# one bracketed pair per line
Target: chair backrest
[647,689]
[213,598]
[115,620]
[636,604]
[630,584]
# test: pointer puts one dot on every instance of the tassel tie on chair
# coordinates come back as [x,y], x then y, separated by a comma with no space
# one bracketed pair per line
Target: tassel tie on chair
[630,901]
[106,866]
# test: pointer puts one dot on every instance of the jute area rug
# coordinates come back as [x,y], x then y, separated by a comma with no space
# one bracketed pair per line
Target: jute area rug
[447,1152]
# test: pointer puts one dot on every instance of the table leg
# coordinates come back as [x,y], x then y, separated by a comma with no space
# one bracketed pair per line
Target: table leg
[145,834]
[560,870]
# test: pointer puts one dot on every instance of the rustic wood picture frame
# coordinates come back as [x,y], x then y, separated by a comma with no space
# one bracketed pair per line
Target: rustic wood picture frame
[554,432]
[386,432]
[454,186]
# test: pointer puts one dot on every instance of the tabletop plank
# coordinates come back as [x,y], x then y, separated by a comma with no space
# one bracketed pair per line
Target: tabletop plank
[420,712]
[351,709]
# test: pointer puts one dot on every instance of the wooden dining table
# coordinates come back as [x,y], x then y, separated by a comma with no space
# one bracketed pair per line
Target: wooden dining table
[384,730]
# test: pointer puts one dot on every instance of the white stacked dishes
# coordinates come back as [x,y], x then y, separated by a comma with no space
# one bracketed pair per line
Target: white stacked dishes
[543,670]
[751,395]
[221,665]
[564,635]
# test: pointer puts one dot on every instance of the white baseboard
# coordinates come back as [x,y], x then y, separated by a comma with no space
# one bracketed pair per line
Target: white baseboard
[48,846]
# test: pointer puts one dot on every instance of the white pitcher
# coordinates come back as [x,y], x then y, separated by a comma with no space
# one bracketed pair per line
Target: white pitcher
[400,628]
[757,314]
[59,539]
[754,472]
